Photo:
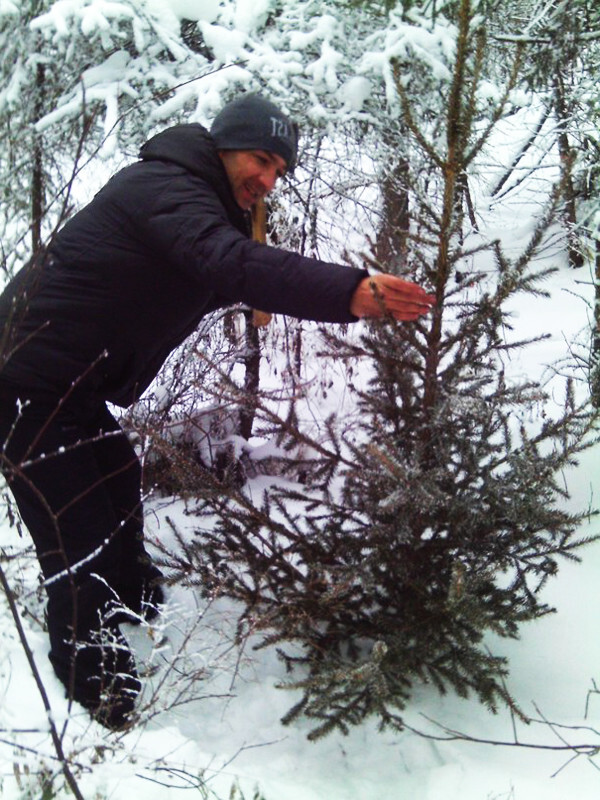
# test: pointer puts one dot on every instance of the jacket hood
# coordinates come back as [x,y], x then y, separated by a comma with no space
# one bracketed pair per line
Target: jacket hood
[192,147]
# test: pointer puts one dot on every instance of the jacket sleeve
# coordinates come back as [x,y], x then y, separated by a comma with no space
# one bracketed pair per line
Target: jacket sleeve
[189,226]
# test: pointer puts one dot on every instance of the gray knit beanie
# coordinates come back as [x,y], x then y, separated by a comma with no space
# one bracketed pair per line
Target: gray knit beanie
[253,123]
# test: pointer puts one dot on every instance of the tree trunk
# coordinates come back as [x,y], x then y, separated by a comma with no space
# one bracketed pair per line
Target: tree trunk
[566,157]
[254,320]
[596,332]
[37,178]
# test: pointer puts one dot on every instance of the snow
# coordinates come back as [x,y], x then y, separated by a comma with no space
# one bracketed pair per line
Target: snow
[8,9]
[231,733]
[226,44]
[207,10]
[324,27]
[10,94]
[251,14]
[229,730]
[110,70]
[355,92]
[323,70]
[405,43]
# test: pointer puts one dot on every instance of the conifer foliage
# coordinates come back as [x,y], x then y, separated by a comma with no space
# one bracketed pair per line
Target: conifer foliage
[439,514]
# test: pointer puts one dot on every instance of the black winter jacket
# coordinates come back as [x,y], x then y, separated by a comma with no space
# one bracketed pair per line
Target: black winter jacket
[133,273]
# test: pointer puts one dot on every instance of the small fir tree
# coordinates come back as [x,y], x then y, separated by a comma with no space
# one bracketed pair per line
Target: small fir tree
[439,514]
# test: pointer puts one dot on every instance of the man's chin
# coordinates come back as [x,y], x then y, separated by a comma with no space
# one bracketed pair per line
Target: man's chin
[246,199]
[244,202]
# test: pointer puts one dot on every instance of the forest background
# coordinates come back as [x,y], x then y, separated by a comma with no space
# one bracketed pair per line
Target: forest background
[371,509]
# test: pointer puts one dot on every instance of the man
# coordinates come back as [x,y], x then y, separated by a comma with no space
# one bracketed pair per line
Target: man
[165,242]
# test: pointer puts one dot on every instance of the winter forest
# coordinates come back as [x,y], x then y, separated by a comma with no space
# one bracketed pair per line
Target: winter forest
[379,538]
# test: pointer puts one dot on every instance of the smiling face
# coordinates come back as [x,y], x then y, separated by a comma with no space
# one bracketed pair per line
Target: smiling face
[252,173]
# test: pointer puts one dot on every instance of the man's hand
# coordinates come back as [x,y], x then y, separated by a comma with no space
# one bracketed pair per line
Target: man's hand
[383,294]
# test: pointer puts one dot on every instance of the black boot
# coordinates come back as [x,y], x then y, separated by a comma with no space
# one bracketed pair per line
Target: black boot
[89,653]
[100,674]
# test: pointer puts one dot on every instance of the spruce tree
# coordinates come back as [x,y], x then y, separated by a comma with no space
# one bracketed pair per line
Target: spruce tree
[438,513]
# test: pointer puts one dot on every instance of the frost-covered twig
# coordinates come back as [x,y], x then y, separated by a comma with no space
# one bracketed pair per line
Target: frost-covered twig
[56,739]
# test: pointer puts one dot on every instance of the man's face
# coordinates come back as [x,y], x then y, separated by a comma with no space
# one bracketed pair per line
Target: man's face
[252,173]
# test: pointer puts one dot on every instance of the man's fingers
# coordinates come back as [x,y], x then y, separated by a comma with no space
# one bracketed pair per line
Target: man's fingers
[387,294]
[403,299]
[397,288]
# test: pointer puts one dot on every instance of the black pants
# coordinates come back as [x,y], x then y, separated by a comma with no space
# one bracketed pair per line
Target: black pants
[77,483]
